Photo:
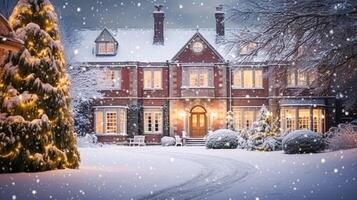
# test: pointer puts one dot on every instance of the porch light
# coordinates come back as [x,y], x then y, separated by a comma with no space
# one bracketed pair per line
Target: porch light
[182,114]
[214,115]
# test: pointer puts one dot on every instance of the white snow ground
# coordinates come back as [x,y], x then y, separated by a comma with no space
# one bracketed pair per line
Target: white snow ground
[155,172]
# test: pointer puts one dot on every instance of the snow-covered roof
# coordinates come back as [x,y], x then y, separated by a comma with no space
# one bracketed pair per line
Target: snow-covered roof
[136,45]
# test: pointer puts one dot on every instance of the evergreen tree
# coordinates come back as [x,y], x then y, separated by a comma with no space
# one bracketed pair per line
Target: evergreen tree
[36,124]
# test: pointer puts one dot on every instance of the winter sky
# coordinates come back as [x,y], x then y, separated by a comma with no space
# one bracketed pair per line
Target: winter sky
[137,13]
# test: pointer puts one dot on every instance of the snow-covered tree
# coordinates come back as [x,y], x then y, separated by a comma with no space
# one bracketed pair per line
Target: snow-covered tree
[318,35]
[36,124]
[263,134]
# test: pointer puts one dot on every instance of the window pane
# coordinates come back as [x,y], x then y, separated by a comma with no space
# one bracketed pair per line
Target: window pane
[318,120]
[248,118]
[203,76]
[102,48]
[304,118]
[248,78]
[237,79]
[110,48]
[99,124]
[291,78]
[238,118]
[122,121]
[157,79]
[193,78]
[290,115]
[116,79]
[153,121]
[258,78]
[111,125]
[147,79]
[302,78]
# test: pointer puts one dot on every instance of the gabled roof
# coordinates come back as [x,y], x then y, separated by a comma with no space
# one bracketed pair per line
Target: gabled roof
[193,38]
[106,36]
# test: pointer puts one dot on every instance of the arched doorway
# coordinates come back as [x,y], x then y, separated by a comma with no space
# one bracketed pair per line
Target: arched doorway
[198,122]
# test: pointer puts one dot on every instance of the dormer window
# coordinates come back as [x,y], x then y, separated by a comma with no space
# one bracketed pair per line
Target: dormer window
[106,48]
[247,48]
[106,44]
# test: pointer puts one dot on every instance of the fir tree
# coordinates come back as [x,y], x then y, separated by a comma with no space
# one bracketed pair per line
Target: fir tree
[36,124]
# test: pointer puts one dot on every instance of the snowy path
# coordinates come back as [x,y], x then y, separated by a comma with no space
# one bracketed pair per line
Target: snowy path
[156,172]
[217,174]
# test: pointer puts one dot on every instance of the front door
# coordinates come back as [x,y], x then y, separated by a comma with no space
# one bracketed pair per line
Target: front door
[198,124]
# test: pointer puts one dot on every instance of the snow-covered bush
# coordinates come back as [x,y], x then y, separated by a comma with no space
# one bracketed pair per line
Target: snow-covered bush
[271,144]
[303,141]
[342,137]
[88,140]
[168,141]
[222,139]
[83,117]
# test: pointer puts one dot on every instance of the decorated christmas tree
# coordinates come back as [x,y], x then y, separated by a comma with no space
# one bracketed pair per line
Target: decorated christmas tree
[36,123]
[263,135]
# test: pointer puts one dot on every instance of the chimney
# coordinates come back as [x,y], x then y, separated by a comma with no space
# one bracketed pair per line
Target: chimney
[219,14]
[159,16]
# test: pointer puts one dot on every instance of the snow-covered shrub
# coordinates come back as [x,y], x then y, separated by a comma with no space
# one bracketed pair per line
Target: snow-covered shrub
[222,139]
[168,141]
[303,141]
[89,140]
[271,144]
[242,143]
[342,137]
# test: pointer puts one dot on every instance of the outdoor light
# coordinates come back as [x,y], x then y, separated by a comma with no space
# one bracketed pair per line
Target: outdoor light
[182,114]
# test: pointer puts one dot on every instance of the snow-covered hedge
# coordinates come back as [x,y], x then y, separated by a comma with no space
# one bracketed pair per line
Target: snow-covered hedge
[89,140]
[222,139]
[303,141]
[168,141]
[342,137]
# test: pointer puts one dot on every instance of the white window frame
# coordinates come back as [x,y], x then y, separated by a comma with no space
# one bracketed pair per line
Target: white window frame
[153,112]
[239,116]
[152,79]
[311,122]
[197,72]
[120,122]
[241,85]
[294,75]
[106,48]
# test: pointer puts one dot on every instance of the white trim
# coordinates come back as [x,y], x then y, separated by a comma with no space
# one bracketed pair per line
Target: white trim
[197,87]
[110,107]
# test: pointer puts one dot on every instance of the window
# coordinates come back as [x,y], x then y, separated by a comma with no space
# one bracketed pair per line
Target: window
[106,48]
[110,121]
[196,77]
[248,78]
[152,78]
[297,78]
[247,49]
[300,118]
[109,79]
[304,118]
[153,121]
[244,117]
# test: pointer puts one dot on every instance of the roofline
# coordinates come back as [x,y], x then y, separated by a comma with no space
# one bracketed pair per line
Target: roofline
[110,33]
[204,39]
[6,23]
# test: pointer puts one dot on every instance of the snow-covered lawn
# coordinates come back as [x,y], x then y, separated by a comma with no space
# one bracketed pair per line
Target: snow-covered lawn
[155,172]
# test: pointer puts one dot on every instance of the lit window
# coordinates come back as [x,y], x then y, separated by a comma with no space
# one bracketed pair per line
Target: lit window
[197,77]
[304,118]
[106,48]
[296,78]
[290,116]
[152,78]
[110,121]
[153,121]
[248,78]
[109,79]
[99,123]
[244,117]
[247,49]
